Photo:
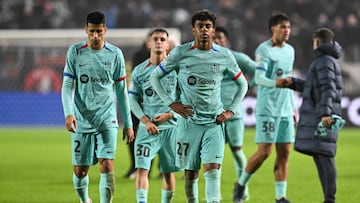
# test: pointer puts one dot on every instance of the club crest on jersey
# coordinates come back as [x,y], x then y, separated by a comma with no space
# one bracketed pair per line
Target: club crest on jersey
[216,67]
[107,65]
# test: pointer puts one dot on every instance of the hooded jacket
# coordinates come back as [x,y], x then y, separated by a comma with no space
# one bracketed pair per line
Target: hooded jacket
[322,92]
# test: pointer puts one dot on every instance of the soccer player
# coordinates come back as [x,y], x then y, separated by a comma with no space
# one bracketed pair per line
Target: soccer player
[234,127]
[322,92]
[94,68]
[275,110]
[200,66]
[156,133]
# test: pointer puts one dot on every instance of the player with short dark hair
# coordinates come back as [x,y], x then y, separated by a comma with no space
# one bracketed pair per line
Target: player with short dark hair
[201,66]
[275,109]
[95,69]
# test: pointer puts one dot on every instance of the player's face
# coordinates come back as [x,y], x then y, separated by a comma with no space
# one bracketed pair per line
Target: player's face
[281,31]
[220,39]
[95,34]
[159,43]
[203,31]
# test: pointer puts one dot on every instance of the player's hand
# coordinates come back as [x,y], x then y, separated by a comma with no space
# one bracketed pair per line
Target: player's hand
[70,123]
[163,117]
[224,116]
[326,121]
[183,110]
[283,82]
[128,133]
[151,127]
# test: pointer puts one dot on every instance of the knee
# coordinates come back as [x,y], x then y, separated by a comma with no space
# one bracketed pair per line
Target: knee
[106,165]
[191,175]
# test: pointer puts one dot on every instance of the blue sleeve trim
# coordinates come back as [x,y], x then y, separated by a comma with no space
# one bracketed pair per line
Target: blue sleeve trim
[69,75]
[260,68]
[162,68]
[134,93]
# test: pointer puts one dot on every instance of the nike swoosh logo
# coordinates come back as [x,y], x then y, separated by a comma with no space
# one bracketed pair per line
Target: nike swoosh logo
[217,157]
[82,64]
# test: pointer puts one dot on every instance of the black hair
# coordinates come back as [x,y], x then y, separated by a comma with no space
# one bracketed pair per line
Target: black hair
[158,30]
[223,30]
[96,18]
[202,15]
[324,35]
[276,19]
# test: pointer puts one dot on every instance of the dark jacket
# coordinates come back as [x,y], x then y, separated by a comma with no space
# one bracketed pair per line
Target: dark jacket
[322,92]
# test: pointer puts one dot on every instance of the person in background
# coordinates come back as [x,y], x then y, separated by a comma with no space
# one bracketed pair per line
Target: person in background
[156,133]
[200,66]
[321,109]
[95,69]
[275,109]
[235,126]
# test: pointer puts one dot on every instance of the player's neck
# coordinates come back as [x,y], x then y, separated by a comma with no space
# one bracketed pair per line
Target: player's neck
[203,45]
[156,59]
[277,42]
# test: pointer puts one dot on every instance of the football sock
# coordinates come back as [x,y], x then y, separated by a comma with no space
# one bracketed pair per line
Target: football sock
[166,196]
[212,185]
[191,190]
[106,187]
[244,178]
[240,162]
[81,187]
[280,189]
[141,195]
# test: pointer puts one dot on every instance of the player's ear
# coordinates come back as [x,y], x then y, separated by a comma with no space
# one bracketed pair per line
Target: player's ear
[193,31]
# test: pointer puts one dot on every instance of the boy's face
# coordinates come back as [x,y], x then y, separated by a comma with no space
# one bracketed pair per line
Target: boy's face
[281,31]
[203,30]
[159,43]
[220,39]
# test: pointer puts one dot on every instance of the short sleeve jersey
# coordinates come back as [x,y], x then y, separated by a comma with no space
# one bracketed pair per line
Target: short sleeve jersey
[94,73]
[228,88]
[151,103]
[277,62]
[200,73]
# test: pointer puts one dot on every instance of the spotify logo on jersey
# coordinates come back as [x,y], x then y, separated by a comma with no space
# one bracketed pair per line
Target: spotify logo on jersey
[84,78]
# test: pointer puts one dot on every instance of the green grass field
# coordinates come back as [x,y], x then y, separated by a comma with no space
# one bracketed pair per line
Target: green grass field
[36,167]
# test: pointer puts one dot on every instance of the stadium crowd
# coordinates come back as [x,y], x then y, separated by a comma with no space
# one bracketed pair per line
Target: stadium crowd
[244,19]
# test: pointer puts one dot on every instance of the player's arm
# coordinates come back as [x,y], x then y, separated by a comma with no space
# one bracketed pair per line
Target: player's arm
[66,91]
[240,81]
[137,109]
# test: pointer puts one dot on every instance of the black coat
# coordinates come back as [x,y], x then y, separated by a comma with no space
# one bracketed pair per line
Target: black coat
[322,92]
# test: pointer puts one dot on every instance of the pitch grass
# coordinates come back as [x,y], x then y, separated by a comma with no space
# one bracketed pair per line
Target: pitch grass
[36,167]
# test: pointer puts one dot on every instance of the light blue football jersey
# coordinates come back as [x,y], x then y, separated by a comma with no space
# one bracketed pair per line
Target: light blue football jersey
[151,103]
[276,62]
[94,73]
[228,86]
[200,73]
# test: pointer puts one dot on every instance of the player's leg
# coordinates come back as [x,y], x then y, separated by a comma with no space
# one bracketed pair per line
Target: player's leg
[285,131]
[145,149]
[191,179]
[234,132]
[264,138]
[167,157]
[212,155]
[327,174]
[188,139]
[82,157]
[106,149]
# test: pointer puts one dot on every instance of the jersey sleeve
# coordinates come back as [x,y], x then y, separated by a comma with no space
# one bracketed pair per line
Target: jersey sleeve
[121,90]
[165,67]
[68,81]
[237,75]
[262,59]
[134,93]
